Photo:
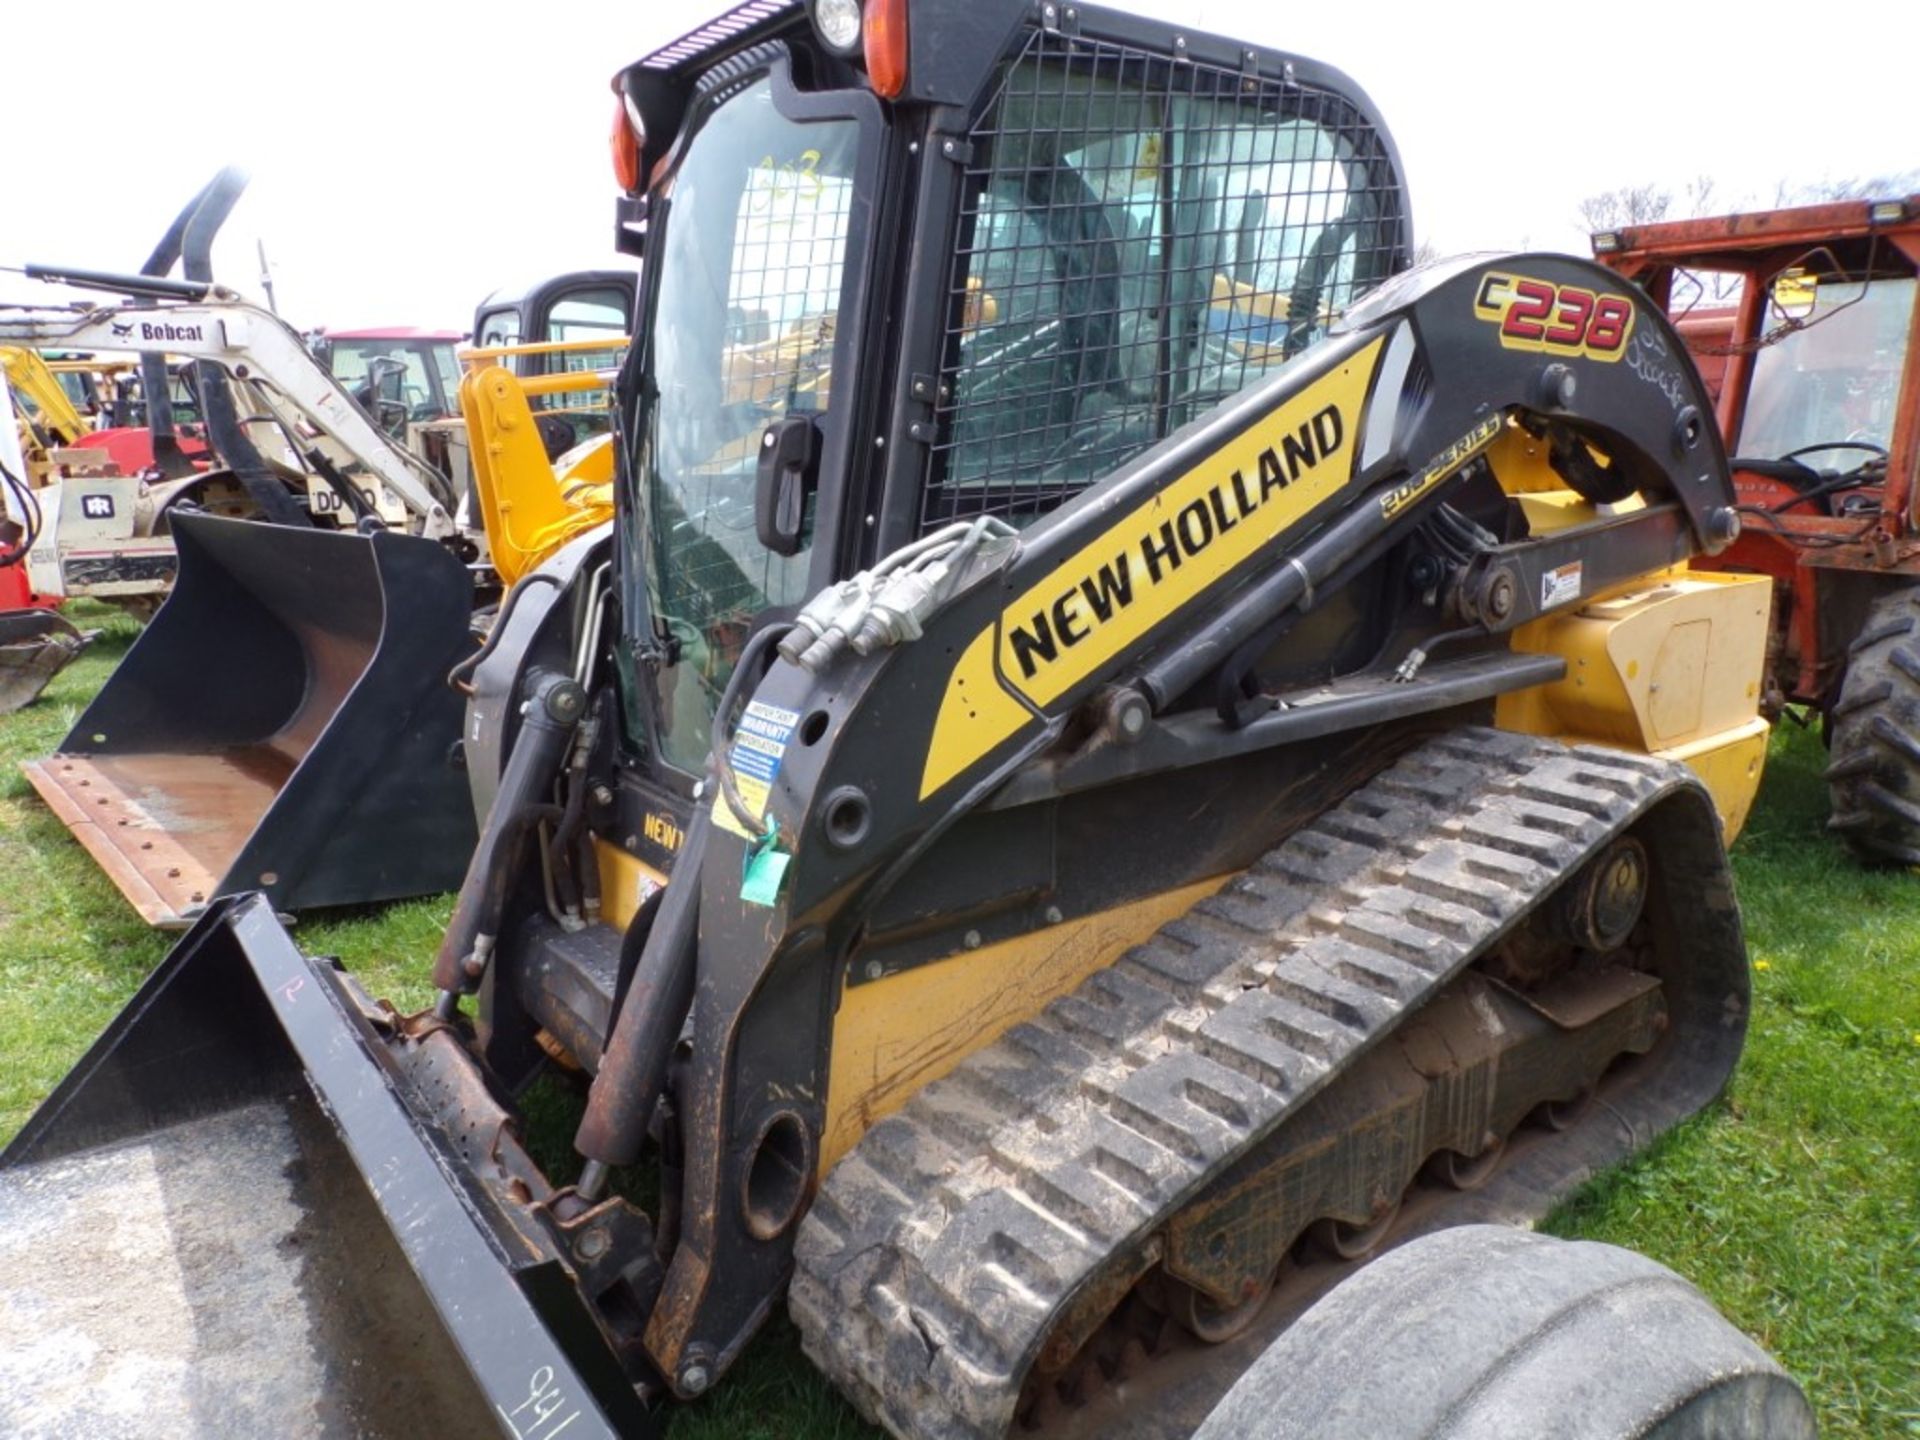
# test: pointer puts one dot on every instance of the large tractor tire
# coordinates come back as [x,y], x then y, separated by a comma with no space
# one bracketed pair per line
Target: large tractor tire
[1874,777]
[1484,1332]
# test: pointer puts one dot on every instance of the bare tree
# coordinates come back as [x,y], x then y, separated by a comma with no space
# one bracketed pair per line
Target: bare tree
[1644,204]
[1697,197]
[1629,205]
[1856,187]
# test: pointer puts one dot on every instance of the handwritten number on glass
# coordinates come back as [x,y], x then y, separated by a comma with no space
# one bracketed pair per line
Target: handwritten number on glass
[779,180]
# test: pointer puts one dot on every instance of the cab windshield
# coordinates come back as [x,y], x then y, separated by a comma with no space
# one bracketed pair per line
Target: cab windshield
[1831,386]
[748,258]
[424,372]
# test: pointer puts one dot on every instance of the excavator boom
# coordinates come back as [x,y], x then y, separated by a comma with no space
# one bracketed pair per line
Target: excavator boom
[279,368]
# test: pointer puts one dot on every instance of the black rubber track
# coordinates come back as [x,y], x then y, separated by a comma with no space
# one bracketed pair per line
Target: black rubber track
[1874,777]
[941,1249]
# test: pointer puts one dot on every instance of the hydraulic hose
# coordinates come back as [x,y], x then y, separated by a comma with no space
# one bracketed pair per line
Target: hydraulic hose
[154,380]
[554,706]
[224,430]
[749,662]
[563,846]
[460,678]
[24,507]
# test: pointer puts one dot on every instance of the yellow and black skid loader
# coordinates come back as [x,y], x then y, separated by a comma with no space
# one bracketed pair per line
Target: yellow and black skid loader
[1124,753]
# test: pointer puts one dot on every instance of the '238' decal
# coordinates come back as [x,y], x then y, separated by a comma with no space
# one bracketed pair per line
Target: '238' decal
[1539,315]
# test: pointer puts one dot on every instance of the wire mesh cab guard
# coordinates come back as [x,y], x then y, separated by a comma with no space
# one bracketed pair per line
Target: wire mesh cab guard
[1142,237]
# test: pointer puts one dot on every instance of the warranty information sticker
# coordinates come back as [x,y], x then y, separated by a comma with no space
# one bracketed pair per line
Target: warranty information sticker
[759,745]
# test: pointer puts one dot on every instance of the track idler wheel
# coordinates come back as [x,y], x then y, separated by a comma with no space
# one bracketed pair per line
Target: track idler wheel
[1562,1115]
[1514,1334]
[1598,908]
[1206,1319]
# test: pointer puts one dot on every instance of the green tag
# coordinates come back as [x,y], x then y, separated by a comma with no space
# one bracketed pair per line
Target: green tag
[760,884]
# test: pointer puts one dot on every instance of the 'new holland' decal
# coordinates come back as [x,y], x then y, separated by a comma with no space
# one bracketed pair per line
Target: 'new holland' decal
[1145,567]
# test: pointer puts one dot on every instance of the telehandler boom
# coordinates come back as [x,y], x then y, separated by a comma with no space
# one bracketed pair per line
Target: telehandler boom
[1123,753]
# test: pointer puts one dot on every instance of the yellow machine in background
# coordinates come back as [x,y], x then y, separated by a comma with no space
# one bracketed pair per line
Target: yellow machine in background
[531,506]
[48,419]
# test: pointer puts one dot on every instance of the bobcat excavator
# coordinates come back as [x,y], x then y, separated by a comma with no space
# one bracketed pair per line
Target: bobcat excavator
[239,739]
[234,746]
[283,724]
[1123,753]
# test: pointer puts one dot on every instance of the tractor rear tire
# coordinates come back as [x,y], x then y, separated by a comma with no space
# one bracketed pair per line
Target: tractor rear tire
[1874,777]
[1489,1333]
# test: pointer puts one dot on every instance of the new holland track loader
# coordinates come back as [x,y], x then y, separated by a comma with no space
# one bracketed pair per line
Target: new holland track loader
[1123,753]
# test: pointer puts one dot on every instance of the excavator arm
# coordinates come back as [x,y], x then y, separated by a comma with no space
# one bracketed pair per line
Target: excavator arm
[262,350]
[30,376]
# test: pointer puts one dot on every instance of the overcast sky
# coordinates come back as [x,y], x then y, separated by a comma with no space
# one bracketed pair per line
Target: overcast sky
[409,158]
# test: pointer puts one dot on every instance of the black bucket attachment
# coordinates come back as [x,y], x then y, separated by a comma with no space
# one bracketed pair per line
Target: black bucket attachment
[282,725]
[35,645]
[226,1221]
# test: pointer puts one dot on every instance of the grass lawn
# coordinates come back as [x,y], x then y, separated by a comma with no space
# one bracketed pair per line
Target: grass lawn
[1795,1204]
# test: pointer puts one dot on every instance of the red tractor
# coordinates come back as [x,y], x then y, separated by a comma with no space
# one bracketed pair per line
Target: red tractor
[1818,398]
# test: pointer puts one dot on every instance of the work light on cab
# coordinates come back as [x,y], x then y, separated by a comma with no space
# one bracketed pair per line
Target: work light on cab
[838,23]
[874,33]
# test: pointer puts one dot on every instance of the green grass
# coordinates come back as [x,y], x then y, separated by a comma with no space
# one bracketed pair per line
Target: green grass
[1795,1204]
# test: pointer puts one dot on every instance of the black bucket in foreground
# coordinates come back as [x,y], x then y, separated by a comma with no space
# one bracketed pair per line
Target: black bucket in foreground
[225,1222]
[282,725]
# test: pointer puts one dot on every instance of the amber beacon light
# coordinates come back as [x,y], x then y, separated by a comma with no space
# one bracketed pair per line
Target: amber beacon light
[886,45]
[624,140]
